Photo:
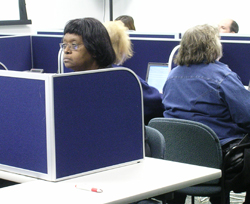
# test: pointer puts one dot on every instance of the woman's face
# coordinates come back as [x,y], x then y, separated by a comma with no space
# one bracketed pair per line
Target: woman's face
[76,56]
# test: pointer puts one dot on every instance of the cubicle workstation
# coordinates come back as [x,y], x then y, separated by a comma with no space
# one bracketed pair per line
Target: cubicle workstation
[21,53]
[42,51]
[235,55]
[53,126]
[55,129]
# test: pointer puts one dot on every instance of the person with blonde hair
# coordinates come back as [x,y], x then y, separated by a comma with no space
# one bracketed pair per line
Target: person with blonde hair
[122,46]
[120,41]
[205,90]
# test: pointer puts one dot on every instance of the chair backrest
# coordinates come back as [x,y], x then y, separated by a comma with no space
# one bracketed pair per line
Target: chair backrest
[189,142]
[156,142]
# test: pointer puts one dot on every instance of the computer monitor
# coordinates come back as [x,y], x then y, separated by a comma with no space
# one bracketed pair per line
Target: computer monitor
[157,74]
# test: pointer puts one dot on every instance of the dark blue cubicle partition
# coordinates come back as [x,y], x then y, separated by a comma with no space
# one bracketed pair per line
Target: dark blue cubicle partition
[59,32]
[15,52]
[135,34]
[242,38]
[230,36]
[41,51]
[45,52]
[234,36]
[236,56]
[55,126]
[131,34]
[21,53]
[23,119]
[149,50]
[110,126]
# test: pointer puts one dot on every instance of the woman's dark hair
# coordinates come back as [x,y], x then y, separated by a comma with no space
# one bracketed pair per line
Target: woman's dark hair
[95,39]
[199,44]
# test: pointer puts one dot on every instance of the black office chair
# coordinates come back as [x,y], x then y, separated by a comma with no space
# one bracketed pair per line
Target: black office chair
[193,143]
[6,183]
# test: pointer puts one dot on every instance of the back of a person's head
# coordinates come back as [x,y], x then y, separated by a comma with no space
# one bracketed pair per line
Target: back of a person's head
[95,39]
[127,20]
[120,40]
[199,44]
[234,27]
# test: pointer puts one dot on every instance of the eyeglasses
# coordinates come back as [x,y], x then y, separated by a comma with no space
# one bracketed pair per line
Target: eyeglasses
[72,47]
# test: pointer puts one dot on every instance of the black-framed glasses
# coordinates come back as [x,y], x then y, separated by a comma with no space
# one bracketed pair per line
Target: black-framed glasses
[72,47]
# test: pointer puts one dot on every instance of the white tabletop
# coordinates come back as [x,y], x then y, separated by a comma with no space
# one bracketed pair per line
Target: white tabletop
[121,185]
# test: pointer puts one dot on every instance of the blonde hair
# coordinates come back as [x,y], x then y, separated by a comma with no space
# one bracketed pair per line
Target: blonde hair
[120,41]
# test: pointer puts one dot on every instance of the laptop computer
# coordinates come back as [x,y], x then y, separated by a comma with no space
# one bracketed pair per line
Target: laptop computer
[157,74]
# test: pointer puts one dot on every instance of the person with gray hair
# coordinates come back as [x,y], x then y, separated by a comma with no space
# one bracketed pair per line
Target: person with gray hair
[205,90]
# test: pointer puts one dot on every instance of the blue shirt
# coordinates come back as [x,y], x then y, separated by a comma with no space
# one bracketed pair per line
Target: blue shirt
[152,101]
[211,94]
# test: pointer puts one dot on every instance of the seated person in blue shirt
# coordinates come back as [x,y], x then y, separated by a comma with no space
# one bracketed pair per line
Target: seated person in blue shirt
[205,90]
[122,45]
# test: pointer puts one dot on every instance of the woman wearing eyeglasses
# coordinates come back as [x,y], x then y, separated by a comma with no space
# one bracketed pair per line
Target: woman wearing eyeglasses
[87,45]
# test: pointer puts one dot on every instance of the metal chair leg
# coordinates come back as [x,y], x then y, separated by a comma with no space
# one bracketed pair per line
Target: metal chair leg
[192,199]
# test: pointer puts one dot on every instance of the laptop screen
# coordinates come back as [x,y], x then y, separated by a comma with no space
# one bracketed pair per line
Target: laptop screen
[157,74]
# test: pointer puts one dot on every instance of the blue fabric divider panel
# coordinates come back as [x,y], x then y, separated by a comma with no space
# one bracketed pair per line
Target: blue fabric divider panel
[98,121]
[235,37]
[135,35]
[23,124]
[146,51]
[235,55]
[45,52]
[50,32]
[15,52]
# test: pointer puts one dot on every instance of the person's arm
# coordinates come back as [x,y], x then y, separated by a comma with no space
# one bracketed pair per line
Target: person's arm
[237,99]
[152,100]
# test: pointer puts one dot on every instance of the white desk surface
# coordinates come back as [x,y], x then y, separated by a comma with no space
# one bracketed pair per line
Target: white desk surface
[121,185]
